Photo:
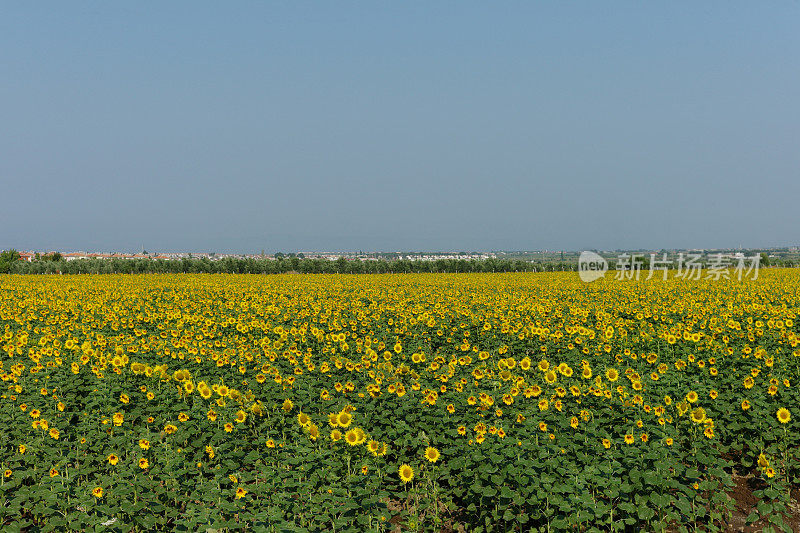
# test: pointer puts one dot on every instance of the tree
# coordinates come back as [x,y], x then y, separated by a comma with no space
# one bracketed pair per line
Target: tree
[8,258]
[341,265]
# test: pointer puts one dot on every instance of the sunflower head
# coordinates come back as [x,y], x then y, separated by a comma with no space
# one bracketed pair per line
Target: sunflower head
[698,415]
[406,473]
[344,419]
[351,437]
[432,454]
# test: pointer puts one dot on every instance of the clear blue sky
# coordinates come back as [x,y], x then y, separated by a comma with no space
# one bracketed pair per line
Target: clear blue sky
[300,126]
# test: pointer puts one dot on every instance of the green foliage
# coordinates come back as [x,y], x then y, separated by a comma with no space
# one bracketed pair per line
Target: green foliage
[282,264]
[8,258]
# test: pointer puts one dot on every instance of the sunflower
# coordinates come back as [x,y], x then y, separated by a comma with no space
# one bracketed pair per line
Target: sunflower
[344,419]
[113,459]
[362,436]
[7,473]
[763,462]
[53,472]
[144,444]
[22,448]
[351,437]
[97,492]
[783,415]
[204,390]
[406,473]
[745,405]
[374,447]
[241,416]
[143,463]
[606,443]
[698,415]
[629,439]
[432,454]
[692,397]
[303,419]
[54,433]
[240,493]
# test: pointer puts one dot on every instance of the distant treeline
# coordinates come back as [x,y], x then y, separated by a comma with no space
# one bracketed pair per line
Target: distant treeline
[232,265]
[10,263]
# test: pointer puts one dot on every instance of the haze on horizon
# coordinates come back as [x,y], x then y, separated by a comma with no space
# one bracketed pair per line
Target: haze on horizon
[197,126]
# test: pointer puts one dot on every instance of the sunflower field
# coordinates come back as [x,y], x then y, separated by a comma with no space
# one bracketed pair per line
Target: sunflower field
[419,402]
